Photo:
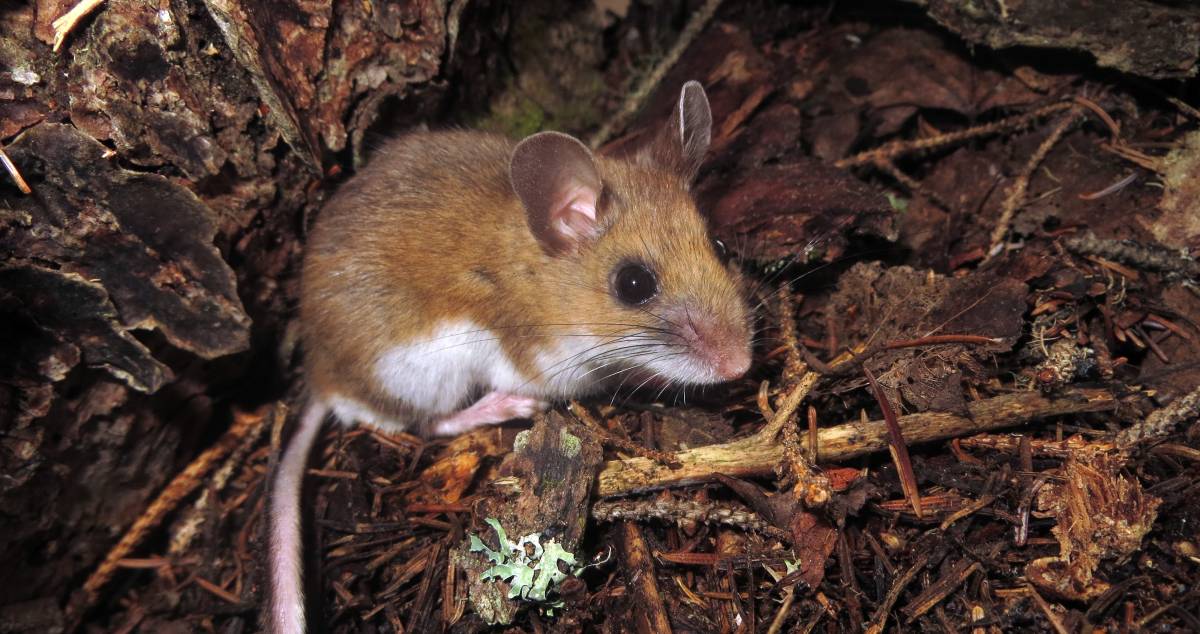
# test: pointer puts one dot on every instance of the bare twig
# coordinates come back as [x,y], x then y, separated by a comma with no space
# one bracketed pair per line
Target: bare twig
[847,365]
[880,617]
[933,340]
[185,530]
[791,402]
[940,589]
[850,588]
[1178,451]
[1102,114]
[902,147]
[1016,194]
[1184,107]
[1137,157]
[973,507]
[1046,611]
[218,591]
[641,577]
[66,23]
[789,597]
[15,173]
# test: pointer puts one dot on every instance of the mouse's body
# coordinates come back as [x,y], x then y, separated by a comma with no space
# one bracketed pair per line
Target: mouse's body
[463,279]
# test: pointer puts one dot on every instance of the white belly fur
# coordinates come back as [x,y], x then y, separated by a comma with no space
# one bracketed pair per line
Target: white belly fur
[437,374]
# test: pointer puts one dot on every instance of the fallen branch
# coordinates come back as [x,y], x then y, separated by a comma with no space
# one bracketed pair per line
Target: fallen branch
[755,457]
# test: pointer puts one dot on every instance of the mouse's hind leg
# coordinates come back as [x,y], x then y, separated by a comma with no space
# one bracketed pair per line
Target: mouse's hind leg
[494,407]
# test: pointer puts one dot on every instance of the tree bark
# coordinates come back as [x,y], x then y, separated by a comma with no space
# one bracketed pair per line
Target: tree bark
[174,152]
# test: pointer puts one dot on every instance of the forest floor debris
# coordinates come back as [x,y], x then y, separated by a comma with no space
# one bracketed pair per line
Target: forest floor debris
[934,261]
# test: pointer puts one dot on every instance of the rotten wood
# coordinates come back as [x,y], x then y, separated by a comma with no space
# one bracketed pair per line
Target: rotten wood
[542,489]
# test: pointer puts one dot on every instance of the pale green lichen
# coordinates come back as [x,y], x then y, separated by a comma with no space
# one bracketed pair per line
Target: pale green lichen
[569,444]
[521,441]
[528,565]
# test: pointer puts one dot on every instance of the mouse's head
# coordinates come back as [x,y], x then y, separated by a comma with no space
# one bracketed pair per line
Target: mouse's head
[631,255]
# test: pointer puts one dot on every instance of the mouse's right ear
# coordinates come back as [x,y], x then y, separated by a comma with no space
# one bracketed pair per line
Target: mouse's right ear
[681,145]
[556,178]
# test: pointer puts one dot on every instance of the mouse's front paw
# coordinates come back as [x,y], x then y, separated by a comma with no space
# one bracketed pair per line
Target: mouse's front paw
[512,406]
[494,407]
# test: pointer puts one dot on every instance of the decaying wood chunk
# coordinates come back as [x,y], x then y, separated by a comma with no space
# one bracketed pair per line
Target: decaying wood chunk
[148,242]
[543,491]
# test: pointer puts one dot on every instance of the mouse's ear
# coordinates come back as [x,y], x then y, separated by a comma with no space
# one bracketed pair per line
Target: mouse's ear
[681,145]
[556,178]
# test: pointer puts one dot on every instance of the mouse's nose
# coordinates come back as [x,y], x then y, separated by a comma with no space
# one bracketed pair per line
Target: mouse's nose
[733,362]
[723,348]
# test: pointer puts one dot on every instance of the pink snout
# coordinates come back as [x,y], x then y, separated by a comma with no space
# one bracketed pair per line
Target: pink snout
[725,349]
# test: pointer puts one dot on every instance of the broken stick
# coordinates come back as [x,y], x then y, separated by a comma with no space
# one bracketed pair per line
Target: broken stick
[754,457]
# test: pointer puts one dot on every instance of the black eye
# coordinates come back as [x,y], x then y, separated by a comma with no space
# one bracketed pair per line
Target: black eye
[719,248]
[634,284]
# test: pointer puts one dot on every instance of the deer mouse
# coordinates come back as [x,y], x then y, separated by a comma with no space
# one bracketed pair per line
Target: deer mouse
[462,279]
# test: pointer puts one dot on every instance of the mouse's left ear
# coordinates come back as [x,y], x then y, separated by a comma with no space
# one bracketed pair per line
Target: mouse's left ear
[556,178]
[681,145]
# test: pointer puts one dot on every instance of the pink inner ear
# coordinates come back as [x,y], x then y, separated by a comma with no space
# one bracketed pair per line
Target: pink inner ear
[574,214]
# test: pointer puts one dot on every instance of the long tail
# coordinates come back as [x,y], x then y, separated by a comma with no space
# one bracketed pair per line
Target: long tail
[286,562]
